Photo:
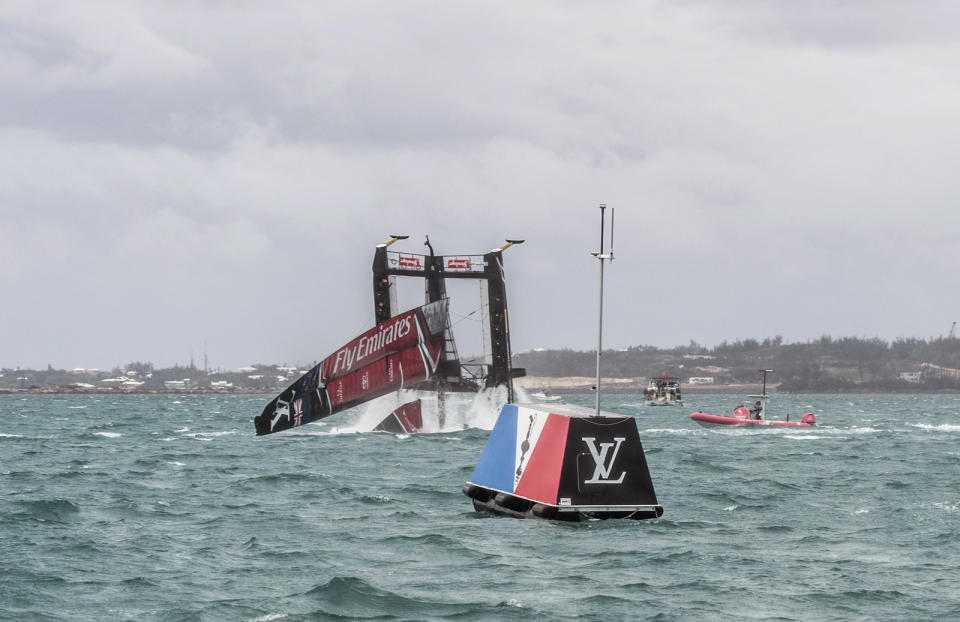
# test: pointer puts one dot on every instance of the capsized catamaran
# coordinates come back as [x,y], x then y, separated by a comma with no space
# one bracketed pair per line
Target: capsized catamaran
[413,349]
[402,351]
[563,463]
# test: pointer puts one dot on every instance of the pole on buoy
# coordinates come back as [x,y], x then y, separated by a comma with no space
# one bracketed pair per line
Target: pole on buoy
[602,257]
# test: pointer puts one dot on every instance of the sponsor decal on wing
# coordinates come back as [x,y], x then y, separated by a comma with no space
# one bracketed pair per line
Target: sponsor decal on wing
[472,263]
[409,261]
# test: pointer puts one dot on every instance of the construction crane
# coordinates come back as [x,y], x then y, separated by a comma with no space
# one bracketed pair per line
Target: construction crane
[953,331]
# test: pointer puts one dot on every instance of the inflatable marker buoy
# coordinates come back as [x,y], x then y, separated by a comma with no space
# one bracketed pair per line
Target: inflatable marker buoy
[566,465]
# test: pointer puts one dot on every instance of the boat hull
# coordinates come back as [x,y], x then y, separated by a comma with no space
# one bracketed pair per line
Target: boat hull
[407,419]
[708,420]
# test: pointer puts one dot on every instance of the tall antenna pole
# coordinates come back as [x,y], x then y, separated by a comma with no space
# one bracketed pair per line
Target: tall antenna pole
[765,372]
[602,258]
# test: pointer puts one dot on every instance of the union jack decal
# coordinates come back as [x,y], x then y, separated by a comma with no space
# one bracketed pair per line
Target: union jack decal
[297,411]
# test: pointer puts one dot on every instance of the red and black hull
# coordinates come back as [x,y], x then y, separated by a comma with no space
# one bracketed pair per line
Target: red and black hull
[398,353]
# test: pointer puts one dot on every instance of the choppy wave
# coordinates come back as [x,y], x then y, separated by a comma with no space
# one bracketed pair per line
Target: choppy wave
[47,510]
[320,524]
[353,597]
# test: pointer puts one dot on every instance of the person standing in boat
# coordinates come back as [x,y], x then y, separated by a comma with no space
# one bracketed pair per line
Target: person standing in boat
[757,410]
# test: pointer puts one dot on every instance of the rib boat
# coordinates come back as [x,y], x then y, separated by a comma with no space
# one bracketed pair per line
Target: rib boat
[743,416]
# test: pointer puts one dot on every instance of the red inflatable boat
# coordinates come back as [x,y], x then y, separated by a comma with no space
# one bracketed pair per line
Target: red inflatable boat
[741,416]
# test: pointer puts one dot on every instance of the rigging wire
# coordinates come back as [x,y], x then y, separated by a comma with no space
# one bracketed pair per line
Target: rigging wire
[468,316]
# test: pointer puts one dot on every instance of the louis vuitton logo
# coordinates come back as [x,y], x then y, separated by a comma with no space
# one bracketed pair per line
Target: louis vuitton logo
[601,474]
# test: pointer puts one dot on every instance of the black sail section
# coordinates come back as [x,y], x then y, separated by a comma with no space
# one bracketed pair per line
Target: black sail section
[604,464]
[302,402]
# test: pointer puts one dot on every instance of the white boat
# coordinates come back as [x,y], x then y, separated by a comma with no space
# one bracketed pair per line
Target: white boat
[540,396]
[663,391]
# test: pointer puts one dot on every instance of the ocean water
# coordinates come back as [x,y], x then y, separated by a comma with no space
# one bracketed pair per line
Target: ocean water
[168,508]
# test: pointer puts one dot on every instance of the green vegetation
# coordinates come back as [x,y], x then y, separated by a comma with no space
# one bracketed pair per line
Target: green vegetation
[847,364]
[825,364]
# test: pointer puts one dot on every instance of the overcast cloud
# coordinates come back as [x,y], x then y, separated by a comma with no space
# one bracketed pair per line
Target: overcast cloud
[175,174]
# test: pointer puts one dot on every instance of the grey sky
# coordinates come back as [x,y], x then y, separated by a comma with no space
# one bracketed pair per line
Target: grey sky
[219,172]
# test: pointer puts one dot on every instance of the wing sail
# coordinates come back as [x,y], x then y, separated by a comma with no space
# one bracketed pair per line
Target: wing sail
[401,351]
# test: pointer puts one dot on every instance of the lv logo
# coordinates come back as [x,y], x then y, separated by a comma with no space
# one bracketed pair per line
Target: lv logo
[601,475]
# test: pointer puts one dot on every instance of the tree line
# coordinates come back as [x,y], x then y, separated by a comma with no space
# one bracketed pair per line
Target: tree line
[827,363]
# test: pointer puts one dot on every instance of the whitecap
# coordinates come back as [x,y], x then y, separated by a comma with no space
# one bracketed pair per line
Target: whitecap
[269,617]
[109,434]
[943,427]
[209,436]
[730,508]
[224,433]
[76,407]
[2,435]
[302,432]
[862,511]
[845,431]
[695,431]
[803,437]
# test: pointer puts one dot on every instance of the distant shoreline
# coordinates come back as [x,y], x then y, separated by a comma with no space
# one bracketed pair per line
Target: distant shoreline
[109,391]
[582,384]
[569,385]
